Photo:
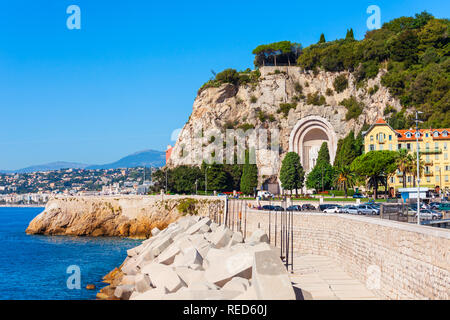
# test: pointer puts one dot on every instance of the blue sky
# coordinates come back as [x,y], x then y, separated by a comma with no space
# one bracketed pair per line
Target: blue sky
[129,77]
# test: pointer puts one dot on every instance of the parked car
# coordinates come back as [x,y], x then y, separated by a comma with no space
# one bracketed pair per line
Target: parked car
[434,205]
[334,209]
[351,210]
[278,208]
[326,206]
[308,207]
[358,196]
[366,209]
[267,207]
[294,208]
[343,209]
[264,194]
[430,214]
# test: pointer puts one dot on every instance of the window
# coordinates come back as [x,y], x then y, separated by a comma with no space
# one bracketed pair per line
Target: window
[447,168]
[408,146]
[436,178]
[408,135]
[436,145]
[428,179]
[446,178]
[437,169]
[436,134]
[426,134]
[390,137]
[372,147]
[399,146]
[409,179]
[381,147]
[390,147]
[371,138]
[427,146]
[392,179]
[444,133]
[436,156]
[417,134]
[446,156]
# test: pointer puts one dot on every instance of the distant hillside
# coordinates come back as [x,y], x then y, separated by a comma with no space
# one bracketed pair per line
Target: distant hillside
[48,167]
[146,158]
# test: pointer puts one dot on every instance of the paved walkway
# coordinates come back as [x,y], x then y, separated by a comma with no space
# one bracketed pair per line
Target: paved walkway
[321,278]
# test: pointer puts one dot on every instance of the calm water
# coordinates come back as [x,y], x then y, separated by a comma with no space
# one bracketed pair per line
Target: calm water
[34,267]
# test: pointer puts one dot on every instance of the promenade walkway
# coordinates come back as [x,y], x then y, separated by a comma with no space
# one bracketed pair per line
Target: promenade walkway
[321,278]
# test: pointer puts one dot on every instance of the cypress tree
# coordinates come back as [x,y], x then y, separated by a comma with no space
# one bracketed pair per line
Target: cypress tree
[349,35]
[249,179]
[292,175]
[322,38]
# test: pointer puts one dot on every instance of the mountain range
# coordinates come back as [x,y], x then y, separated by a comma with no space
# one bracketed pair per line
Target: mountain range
[148,158]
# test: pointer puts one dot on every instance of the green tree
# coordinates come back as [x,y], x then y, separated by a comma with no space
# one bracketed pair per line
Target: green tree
[322,38]
[292,175]
[349,35]
[216,177]
[347,150]
[184,178]
[249,179]
[375,167]
[322,175]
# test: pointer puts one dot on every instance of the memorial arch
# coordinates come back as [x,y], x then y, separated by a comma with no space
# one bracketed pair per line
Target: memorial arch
[308,135]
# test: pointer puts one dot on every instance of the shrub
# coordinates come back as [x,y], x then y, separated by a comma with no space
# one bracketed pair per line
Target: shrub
[246,126]
[373,90]
[187,206]
[285,107]
[316,99]
[298,87]
[329,92]
[354,108]
[340,83]
[253,99]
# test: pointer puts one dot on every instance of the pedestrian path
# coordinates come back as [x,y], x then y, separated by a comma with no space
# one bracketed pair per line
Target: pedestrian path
[321,278]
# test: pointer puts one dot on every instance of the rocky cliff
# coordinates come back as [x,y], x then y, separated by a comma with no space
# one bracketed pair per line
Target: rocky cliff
[257,105]
[124,216]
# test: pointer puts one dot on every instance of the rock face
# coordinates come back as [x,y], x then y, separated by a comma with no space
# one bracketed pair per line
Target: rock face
[124,216]
[191,267]
[217,108]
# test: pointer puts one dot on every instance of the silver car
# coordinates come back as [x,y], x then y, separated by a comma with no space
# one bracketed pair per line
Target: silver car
[351,210]
[366,209]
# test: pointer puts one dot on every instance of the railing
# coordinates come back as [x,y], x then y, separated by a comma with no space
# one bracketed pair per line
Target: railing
[428,173]
[431,151]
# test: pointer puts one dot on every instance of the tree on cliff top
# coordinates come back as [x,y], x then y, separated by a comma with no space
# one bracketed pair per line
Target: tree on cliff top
[292,175]
[283,53]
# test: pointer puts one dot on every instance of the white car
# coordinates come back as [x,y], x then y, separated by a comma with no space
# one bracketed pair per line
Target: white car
[265,194]
[332,209]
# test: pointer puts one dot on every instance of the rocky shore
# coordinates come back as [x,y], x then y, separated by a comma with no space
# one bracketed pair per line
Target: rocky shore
[196,259]
[122,216]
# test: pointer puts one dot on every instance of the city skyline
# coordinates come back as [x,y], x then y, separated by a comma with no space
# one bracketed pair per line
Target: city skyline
[96,94]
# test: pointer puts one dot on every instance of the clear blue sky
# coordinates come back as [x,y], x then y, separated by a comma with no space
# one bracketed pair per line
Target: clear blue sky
[129,77]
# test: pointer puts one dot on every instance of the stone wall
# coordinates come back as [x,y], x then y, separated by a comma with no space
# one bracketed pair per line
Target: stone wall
[414,261]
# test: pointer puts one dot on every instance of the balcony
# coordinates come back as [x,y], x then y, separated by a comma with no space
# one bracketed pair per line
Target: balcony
[430,151]
[428,173]
[428,162]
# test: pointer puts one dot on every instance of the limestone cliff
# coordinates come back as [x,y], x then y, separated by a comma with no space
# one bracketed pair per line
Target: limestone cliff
[124,216]
[217,108]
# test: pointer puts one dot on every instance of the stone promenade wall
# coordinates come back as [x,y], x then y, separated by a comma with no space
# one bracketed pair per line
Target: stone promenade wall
[413,261]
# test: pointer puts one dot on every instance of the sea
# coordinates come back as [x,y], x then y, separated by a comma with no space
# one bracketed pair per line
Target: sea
[38,267]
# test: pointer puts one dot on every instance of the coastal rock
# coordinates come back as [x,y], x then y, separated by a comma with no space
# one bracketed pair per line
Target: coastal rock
[120,216]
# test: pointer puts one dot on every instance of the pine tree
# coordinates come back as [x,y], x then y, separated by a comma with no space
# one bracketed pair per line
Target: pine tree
[322,38]
[349,35]
[322,175]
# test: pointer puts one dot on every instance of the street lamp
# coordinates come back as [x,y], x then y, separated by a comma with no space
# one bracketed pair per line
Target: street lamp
[418,165]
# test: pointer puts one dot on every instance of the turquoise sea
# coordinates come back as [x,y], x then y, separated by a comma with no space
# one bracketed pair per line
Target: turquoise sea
[35,266]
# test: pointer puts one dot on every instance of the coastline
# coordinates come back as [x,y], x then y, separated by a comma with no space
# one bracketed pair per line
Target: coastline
[22,206]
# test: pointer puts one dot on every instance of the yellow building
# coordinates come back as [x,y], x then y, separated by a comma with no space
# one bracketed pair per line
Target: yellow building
[434,147]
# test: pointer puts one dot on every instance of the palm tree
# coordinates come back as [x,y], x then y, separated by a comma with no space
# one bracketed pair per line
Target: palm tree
[414,168]
[345,178]
[403,163]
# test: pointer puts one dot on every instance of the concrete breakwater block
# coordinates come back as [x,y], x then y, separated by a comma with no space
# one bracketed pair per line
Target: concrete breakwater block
[196,259]
[270,278]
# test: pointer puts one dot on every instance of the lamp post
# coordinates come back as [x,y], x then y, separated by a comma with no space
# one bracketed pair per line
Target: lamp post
[418,166]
